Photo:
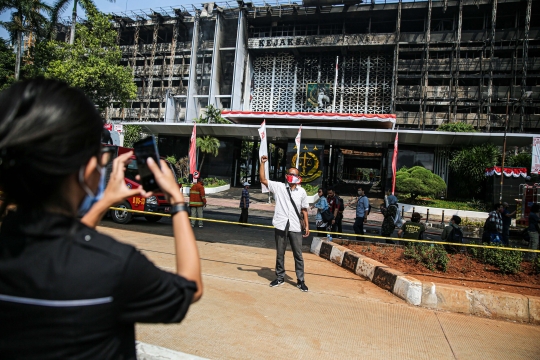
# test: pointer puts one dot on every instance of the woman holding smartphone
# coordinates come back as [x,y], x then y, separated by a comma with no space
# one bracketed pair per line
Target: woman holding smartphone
[67,291]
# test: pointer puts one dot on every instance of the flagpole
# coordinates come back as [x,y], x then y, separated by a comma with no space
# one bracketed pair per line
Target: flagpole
[394,163]
[298,141]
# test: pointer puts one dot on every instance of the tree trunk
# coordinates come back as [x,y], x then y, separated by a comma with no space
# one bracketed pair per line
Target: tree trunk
[18,55]
[202,161]
[73,22]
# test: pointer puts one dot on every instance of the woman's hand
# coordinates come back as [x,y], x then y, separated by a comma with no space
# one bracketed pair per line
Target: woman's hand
[166,181]
[116,190]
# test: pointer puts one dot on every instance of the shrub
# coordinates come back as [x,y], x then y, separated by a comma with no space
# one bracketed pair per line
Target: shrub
[419,181]
[432,257]
[214,182]
[536,264]
[508,262]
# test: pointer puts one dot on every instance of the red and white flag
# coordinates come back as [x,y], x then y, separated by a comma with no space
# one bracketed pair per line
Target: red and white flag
[263,150]
[297,141]
[193,151]
[394,164]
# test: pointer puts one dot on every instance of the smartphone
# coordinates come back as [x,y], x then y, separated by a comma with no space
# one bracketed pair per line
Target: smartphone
[144,149]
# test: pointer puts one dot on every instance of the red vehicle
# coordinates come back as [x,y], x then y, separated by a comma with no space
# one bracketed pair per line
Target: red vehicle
[156,203]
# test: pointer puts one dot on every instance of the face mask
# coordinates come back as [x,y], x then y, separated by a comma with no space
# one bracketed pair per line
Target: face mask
[90,198]
[293,179]
[360,193]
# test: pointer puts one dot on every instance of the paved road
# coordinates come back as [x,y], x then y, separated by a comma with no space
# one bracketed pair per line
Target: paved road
[342,316]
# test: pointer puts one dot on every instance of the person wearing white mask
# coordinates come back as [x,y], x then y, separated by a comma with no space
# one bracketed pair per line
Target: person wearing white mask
[290,213]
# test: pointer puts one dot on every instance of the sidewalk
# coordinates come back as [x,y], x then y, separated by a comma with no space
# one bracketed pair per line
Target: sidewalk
[342,315]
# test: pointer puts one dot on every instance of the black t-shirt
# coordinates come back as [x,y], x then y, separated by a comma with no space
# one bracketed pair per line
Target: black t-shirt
[67,291]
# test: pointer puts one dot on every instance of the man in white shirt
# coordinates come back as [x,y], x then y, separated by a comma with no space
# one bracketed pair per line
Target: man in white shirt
[287,221]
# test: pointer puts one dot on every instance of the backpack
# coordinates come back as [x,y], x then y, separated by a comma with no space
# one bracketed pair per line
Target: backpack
[456,235]
[341,206]
[397,220]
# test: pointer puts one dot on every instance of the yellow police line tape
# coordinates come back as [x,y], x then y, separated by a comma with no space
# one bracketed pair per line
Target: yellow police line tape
[336,233]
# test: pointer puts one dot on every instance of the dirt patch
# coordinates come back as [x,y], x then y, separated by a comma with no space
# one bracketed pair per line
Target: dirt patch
[462,270]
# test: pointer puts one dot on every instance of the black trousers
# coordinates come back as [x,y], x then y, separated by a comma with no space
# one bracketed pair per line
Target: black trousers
[244,215]
[295,238]
[359,227]
[338,225]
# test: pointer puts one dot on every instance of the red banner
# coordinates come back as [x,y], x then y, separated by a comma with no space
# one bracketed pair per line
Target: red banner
[394,164]
[193,151]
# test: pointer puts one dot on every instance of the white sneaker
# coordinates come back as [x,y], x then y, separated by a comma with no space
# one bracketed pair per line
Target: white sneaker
[200,226]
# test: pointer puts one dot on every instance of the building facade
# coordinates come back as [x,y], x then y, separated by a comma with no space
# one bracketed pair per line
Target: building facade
[427,62]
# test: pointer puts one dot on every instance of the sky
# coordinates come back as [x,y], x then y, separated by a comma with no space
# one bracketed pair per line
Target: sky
[116,7]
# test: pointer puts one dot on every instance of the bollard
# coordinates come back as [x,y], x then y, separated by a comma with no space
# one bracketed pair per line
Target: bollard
[402,211]
[413,209]
[442,219]
[427,215]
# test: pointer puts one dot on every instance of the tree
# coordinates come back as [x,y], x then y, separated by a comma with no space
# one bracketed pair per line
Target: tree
[207,145]
[61,5]
[92,63]
[469,166]
[27,16]
[212,116]
[520,160]
[457,127]
[7,64]
[132,134]
[418,181]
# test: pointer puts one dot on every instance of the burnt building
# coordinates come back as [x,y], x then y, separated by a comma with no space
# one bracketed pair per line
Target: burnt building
[422,64]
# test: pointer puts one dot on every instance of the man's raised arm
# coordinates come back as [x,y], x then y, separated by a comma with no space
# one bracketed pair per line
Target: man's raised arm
[262,175]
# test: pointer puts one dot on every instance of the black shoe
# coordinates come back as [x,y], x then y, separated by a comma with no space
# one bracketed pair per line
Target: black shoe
[302,285]
[276,282]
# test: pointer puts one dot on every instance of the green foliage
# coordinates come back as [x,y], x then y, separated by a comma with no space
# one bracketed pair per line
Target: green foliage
[207,145]
[92,63]
[508,262]
[519,160]
[171,159]
[212,115]
[469,165]
[432,257]
[214,182]
[132,134]
[419,181]
[7,65]
[310,189]
[457,127]
[536,264]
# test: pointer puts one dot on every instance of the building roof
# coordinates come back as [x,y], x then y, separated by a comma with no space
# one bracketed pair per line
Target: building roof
[339,136]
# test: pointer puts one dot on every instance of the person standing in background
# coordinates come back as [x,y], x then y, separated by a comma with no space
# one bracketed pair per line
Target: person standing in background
[506,220]
[244,204]
[390,214]
[534,229]
[362,211]
[321,205]
[197,200]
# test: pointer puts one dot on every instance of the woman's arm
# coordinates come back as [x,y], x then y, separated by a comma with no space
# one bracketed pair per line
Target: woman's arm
[188,263]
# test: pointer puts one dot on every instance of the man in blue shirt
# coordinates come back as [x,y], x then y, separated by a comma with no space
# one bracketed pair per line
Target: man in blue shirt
[362,211]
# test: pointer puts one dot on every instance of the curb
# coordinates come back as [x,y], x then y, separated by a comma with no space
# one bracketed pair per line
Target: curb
[479,302]
[153,352]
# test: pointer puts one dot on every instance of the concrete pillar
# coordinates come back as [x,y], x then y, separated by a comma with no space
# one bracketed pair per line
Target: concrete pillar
[192,102]
[215,75]
[240,55]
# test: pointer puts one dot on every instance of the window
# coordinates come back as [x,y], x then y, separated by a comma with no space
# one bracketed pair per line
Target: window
[131,170]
